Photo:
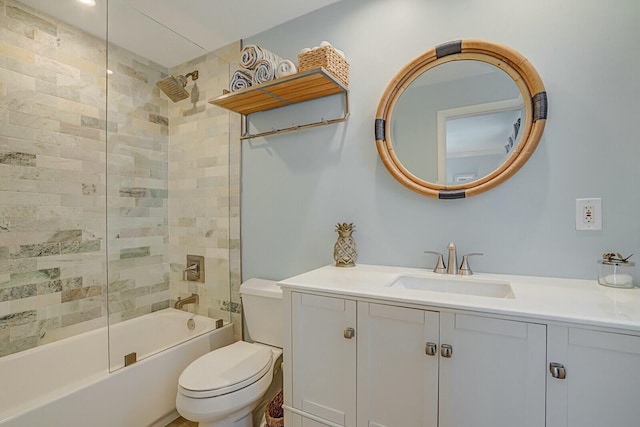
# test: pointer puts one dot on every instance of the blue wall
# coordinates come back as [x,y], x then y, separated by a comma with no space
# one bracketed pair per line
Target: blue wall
[297,186]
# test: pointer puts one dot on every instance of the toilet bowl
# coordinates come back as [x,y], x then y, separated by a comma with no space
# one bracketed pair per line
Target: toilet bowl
[221,388]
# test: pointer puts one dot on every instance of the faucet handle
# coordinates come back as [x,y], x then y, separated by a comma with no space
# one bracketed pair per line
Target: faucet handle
[439,268]
[465,270]
[195,267]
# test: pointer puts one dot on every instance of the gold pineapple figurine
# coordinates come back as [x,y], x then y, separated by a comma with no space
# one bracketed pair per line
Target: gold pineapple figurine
[345,251]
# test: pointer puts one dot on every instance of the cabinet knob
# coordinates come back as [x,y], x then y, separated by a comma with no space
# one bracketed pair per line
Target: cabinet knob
[349,333]
[446,350]
[557,370]
[431,348]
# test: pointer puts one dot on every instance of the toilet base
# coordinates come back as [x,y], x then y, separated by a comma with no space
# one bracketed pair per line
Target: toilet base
[236,420]
[242,417]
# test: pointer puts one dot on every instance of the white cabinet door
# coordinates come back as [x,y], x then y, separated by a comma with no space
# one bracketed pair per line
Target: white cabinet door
[495,375]
[602,384]
[324,357]
[397,379]
[298,420]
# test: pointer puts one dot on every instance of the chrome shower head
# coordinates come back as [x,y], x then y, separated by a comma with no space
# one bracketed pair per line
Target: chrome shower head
[174,87]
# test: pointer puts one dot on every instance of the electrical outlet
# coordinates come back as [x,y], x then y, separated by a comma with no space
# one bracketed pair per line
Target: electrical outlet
[589,214]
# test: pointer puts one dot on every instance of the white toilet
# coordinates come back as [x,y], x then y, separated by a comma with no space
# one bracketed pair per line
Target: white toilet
[221,388]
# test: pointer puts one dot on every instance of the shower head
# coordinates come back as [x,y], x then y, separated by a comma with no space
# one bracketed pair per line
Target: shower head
[174,87]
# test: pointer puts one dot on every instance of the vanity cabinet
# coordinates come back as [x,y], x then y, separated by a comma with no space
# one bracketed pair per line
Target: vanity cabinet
[366,364]
[602,378]
[323,365]
[428,368]
[397,379]
[495,375]
[554,352]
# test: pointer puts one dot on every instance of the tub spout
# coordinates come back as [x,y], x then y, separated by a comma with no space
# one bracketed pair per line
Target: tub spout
[193,299]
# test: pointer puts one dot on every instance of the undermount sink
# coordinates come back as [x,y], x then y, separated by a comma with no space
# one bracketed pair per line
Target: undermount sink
[454,285]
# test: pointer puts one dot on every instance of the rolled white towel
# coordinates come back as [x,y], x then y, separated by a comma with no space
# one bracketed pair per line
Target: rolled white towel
[265,71]
[338,51]
[252,54]
[285,68]
[324,43]
[272,57]
[240,80]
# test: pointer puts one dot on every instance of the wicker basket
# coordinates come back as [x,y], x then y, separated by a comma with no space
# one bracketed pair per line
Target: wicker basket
[328,58]
[273,414]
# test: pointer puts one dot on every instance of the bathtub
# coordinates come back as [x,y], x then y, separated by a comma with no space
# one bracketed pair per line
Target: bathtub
[68,383]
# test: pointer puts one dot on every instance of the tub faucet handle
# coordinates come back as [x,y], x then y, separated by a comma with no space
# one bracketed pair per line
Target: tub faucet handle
[465,269]
[193,267]
[439,268]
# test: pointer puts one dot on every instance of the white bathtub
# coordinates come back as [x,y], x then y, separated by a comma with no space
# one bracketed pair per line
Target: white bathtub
[67,383]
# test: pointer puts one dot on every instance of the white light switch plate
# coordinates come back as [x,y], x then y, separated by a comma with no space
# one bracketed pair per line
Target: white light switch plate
[589,214]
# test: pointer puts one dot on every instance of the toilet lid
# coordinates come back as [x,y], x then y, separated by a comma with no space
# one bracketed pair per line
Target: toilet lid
[225,370]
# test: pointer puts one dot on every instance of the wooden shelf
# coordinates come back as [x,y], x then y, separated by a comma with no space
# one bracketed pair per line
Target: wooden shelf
[299,87]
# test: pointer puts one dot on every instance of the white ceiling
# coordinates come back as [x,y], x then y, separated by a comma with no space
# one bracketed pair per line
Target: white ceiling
[171,32]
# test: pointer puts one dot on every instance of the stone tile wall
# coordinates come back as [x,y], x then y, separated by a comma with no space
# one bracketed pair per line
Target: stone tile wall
[52,163]
[72,181]
[136,187]
[204,178]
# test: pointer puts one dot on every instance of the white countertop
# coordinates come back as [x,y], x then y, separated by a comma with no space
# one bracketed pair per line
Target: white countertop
[548,298]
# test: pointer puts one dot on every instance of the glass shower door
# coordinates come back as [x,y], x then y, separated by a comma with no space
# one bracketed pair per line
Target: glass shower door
[168,185]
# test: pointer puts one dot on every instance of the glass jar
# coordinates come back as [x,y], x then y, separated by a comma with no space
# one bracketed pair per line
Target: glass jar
[616,274]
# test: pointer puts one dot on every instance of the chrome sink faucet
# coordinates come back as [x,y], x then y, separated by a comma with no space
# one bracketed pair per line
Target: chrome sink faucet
[452,259]
[452,262]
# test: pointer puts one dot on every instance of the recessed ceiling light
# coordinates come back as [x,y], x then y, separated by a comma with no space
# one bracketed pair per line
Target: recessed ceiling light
[87,2]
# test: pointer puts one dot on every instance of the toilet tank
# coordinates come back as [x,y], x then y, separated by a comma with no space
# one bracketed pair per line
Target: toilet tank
[263,312]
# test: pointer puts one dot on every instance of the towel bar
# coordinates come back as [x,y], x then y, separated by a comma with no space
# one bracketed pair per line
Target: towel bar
[322,122]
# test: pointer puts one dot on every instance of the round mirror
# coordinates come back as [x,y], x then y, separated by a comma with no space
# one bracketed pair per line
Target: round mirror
[460,119]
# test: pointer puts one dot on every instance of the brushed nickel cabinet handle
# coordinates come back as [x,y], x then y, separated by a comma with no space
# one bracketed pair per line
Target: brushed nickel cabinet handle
[446,350]
[349,333]
[431,349]
[557,370]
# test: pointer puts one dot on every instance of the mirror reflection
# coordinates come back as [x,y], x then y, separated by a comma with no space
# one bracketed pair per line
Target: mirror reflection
[457,122]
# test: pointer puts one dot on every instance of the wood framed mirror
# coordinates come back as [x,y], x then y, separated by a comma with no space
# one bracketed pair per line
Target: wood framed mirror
[460,119]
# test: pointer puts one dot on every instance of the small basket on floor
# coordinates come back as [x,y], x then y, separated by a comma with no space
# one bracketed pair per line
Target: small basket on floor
[274,415]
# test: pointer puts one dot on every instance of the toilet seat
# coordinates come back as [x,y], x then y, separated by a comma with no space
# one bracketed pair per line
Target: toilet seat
[225,370]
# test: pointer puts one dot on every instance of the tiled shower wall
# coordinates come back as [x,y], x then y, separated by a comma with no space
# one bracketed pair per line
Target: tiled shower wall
[137,187]
[54,193]
[204,184]
[52,181]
